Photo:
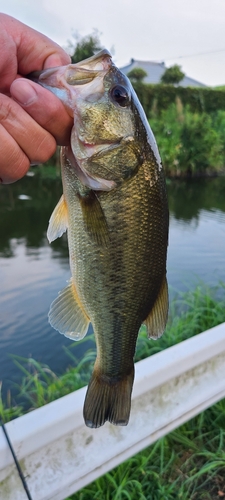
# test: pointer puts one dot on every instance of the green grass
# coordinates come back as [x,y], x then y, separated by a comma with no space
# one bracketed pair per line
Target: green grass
[40,385]
[187,464]
[190,313]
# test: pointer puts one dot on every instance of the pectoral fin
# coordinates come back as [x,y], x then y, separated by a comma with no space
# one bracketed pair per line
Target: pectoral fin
[157,319]
[67,314]
[58,221]
[94,219]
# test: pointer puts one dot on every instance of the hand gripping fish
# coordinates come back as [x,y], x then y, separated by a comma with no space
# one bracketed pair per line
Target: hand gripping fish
[114,207]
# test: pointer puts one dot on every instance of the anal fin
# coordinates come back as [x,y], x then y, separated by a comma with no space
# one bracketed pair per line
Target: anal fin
[157,318]
[67,314]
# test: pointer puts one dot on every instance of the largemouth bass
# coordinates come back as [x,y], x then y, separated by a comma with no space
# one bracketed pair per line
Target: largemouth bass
[114,207]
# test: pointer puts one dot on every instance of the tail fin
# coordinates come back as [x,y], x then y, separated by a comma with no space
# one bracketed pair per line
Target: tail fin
[108,399]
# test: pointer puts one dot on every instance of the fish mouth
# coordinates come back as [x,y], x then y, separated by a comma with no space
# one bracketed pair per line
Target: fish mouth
[89,149]
[80,73]
[71,82]
[102,61]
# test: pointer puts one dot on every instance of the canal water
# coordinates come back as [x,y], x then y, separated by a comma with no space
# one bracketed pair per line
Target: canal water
[32,271]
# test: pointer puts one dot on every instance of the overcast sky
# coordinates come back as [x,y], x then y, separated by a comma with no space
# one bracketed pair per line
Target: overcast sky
[157,30]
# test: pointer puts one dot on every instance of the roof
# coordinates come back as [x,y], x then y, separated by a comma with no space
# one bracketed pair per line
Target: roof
[155,71]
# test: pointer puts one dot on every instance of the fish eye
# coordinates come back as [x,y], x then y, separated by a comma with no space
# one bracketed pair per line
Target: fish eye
[120,95]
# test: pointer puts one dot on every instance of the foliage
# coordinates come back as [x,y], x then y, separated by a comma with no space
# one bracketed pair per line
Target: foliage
[172,75]
[40,385]
[84,47]
[161,96]
[189,143]
[137,74]
[8,411]
[220,87]
[201,144]
[190,313]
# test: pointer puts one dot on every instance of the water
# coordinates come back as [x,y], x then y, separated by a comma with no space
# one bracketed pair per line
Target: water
[197,233]
[32,271]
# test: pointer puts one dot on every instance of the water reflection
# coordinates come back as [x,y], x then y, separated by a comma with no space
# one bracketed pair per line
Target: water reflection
[28,217]
[197,233]
[188,198]
[32,271]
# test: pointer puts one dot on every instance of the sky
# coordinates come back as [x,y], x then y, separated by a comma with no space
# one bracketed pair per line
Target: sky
[190,33]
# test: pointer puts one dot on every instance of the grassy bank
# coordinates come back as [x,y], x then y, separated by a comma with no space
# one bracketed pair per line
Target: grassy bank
[187,464]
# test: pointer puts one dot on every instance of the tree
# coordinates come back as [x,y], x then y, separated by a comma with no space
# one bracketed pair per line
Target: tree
[137,74]
[84,47]
[172,75]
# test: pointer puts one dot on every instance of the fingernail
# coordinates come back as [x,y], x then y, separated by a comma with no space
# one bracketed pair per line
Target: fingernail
[23,92]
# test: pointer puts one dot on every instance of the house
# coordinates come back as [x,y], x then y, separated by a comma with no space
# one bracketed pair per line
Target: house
[155,71]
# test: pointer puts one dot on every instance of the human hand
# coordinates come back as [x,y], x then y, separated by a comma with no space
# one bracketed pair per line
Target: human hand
[32,119]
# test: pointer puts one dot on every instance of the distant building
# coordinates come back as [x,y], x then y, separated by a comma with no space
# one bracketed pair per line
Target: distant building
[155,71]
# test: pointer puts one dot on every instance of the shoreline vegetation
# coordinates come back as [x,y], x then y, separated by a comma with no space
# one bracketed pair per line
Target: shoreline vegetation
[189,126]
[191,144]
[189,463]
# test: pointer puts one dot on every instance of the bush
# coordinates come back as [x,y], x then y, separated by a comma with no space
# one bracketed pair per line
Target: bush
[172,75]
[162,96]
[137,74]
[190,143]
[201,149]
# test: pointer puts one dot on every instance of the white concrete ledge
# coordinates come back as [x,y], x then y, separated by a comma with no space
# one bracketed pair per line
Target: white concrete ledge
[59,455]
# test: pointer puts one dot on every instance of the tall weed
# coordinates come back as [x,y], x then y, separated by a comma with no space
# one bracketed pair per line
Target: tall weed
[190,143]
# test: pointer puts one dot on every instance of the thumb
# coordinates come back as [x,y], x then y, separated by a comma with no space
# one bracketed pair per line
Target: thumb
[24,92]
